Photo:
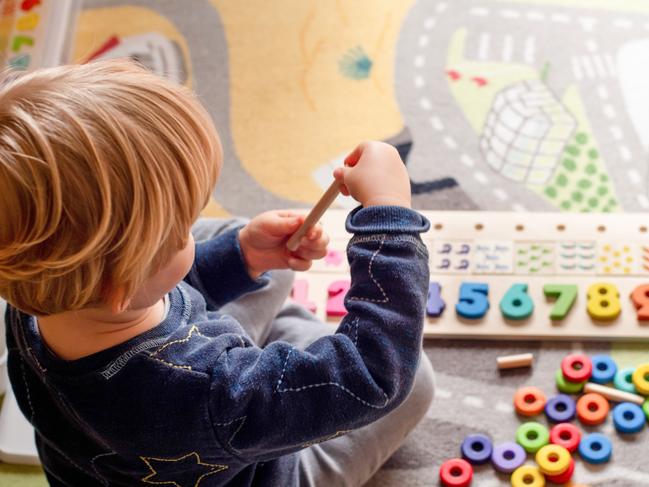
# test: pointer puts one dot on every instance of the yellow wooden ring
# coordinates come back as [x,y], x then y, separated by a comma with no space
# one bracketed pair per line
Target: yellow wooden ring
[528,476]
[553,459]
[641,379]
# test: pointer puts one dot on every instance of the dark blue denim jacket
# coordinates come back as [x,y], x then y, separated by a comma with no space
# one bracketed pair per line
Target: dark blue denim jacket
[194,402]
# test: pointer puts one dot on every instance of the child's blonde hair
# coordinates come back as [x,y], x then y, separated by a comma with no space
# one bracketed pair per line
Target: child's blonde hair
[103,169]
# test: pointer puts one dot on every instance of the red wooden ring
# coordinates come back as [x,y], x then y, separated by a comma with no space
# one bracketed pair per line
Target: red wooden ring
[567,435]
[592,409]
[456,473]
[576,367]
[529,401]
[563,478]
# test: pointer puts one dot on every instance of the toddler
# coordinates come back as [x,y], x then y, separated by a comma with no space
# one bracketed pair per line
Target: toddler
[149,348]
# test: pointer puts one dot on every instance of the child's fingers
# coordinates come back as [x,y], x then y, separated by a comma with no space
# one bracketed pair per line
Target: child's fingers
[310,253]
[339,175]
[298,264]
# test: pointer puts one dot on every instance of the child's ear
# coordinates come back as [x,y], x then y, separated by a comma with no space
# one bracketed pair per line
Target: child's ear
[117,302]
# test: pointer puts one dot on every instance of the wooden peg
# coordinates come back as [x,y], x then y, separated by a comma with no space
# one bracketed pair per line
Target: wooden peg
[515,361]
[314,215]
[613,394]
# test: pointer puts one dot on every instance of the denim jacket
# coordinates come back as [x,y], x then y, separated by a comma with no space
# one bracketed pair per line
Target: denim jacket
[194,402]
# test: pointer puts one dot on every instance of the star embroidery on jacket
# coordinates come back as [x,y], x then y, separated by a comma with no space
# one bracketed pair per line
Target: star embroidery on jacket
[185,471]
[193,331]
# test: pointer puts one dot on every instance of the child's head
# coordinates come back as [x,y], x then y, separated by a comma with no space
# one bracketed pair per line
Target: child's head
[103,169]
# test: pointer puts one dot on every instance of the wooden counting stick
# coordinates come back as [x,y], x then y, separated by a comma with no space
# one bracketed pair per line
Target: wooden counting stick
[614,394]
[314,215]
[515,361]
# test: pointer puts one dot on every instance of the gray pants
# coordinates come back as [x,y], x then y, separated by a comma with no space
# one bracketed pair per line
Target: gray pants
[348,460]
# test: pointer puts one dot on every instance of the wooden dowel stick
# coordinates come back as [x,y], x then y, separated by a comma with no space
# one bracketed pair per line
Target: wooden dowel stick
[614,394]
[515,361]
[314,215]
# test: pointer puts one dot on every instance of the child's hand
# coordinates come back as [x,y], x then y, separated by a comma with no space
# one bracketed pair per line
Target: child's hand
[374,174]
[263,243]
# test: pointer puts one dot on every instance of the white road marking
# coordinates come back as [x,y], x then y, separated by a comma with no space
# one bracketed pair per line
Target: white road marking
[588,67]
[436,123]
[508,48]
[419,81]
[483,47]
[443,394]
[612,68]
[441,7]
[587,23]
[591,45]
[622,23]
[576,70]
[625,153]
[599,66]
[479,11]
[450,142]
[500,194]
[473,401]
[419,61]
[609,111]
[634,176]
[533,15]
[481,177]
[504,407]
[510,14]
[467,160]
[425,103]
[563,19]
[643,200]
[602,92]
[530,49]
[518,207]
[616,132]
[429,23]
[423,40]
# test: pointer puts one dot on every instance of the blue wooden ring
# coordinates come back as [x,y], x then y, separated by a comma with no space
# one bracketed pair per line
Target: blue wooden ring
[560,408]
[628,418]
[604,369]
[508,456]
[477,449]
[595,448]
[624,380]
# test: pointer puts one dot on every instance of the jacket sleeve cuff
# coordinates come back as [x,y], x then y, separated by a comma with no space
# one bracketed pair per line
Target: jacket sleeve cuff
[385,219]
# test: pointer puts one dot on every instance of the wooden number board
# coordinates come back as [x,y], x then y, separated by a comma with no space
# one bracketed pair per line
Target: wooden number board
[499,275]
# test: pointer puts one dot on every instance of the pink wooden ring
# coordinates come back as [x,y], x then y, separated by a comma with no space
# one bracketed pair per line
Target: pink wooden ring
[576,367]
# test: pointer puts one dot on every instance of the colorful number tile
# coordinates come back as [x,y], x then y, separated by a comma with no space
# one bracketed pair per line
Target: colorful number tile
[473,300]
[565,295]
[435,305]
[451,257]
[516,304]
[493,257]
[576,258]
[336,301]
[300,294]
[335,260]
[534,258]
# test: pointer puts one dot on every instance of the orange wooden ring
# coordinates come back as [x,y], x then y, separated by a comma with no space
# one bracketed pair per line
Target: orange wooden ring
[592,409]
[529,401]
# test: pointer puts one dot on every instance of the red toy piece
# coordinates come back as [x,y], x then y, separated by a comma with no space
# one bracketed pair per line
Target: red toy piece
[456,473]
[576,367]
[567,435]
[563,478]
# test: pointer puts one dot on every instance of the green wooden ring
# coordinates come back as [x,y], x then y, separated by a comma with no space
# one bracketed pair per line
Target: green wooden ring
[532,436]
[645,408]
[567,387]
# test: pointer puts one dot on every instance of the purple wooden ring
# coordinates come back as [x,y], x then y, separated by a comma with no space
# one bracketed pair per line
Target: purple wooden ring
[508,456]
[560,408]
[476,449]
